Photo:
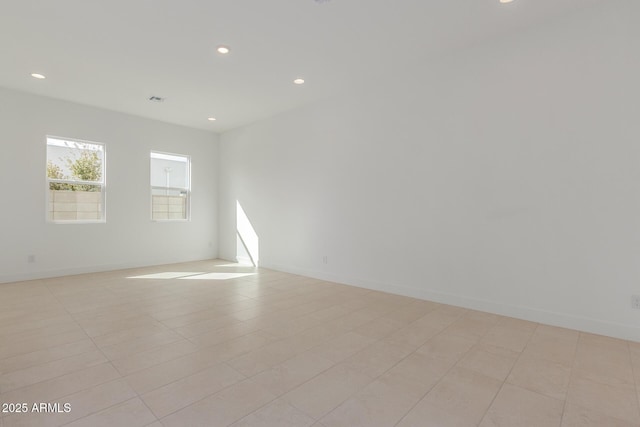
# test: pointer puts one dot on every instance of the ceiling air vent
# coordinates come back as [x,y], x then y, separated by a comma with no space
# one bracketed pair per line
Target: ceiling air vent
[156,99]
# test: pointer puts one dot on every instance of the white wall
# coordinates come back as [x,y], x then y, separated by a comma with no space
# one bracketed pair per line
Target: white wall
[129,237]
[504,178]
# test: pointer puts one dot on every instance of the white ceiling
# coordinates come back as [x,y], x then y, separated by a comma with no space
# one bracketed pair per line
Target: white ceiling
[115,54]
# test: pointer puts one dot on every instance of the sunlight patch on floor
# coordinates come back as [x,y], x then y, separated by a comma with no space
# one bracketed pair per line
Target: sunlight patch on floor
[167,275]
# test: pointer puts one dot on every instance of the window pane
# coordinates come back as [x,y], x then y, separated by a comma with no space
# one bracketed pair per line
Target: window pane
[170,186]
[168,204]
[69,202]
[169,171]
[72,168]
[74,160]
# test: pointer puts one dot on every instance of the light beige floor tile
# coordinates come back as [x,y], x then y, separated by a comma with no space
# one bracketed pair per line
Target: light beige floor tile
[165,373]
[421,368]
[461,398]
[290,374]
[517,407]
[382,403]
[311,338]
[602,354]
[222,408]
[517,324]
[351,301]
[321,333]
[224,333]
[278,413]
[379,328]
[324,392]
[414,335]
[542,376]
[494,362]
[184,308]
[196,317]
[577,416]
[52,354]
[250,313]
[552,348]
[155,356]
[546,331]
[472,325]
[195,329]
[635,363]
[64,385]
[145,380]
[138,345]
[353,320]
[604,366]
[82,404]
[511,338]
[36,374]
[343,346]
[377,309]
[42,343]
[264,358]
[619,401]
[442,317]
[329,313]
[13,328]
[603,343]
[482,317]
[132,413]
[95,328]
[378,358]
[290,326]
[129,334]
[182,393]
[447,347]
[46,330]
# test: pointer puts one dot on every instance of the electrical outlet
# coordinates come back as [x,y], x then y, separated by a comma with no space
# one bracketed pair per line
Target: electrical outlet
[635,302]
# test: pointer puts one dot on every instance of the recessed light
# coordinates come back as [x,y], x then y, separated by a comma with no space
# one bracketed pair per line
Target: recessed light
[223,50]
[38,76]
[212,119]
[298,81]
[506,1]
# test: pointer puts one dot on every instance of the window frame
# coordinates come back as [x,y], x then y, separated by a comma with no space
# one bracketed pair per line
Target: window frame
[187,189]
[102,184]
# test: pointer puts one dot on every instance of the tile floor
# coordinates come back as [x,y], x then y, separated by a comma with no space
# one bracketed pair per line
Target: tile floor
[217,344]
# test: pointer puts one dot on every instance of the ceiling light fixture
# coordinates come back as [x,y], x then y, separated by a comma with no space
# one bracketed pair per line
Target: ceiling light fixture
[506,1]
[38,76]
[212,119]
[223,50]
[298,81]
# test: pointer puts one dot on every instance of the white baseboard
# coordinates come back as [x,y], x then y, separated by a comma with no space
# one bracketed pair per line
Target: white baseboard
[563,320]
[46,274]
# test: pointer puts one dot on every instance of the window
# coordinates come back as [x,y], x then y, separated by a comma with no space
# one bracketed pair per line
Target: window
[75,180]
[170,186]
